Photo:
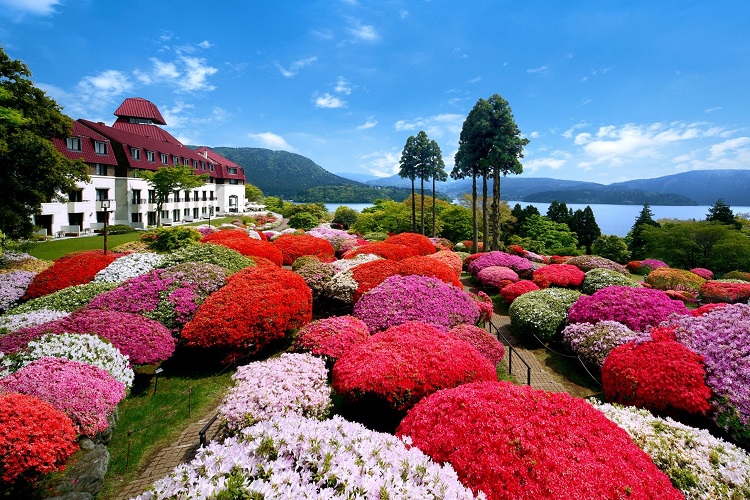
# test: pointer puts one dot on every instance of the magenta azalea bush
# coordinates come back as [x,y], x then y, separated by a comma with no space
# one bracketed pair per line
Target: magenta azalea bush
[331,337]
[492,276]
[593,342]
[481,340]
[636,308]
[495,258]
[87,394]
[399,299]
[704,273]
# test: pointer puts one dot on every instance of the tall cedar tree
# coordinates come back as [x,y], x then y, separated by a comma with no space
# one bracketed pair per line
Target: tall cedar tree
[422,144]
[168,179]
[636,242]
[583,223]
[438,173]
[721,212]
[559,212]
[34,171]
[408,165]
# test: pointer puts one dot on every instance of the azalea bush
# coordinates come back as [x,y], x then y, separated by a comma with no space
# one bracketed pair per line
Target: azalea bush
[292,384]
[704,273]
[593,342]
[419,242]
[481,340]
[725,291]
[294,246]
[644,267]
[403,364]
[522,266]
[295,457]
[599,278]
[452,259]
[511,292]
[493,276]
[699,464]
[66,300]
[425,266]
[588,262]
[399,299]
[331,337]
[558,275]
[370,274]
[316,274]
[662,376]
[516,442]
[239,240]
[667,278]
[13,286]
[35,438]
[129,266]
[541,313]
[636,308]
[87,394]
[257,306]
[737,275]
[229,259]
[76,268]
[13,322]
[391,251]
[169,239]
[336,237]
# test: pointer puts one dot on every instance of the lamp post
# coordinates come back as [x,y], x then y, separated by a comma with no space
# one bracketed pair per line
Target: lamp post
[210,213]
[105,209]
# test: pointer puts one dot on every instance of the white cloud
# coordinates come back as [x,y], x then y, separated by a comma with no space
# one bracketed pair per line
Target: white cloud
[403,13]
[329,101]
[343,86]
[38,7]
[534,135]
[295,67]
[100,90]
[188,74]
[164,70]
[271,141]
[552,163]
[476,79]
[363,32]
[381,163]
[205,44]
[720,150]
[712,110]
[538,71]
[442,125]
[196,75]
[370,123]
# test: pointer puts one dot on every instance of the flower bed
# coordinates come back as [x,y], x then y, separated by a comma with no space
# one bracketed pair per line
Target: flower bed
[662,376]
[13,322]
[593,342]
[229,259]
[599,278]
[295,457]
[405,363]
[493,276]
[75,268]
[541,313]
[294,246]
[35,438]
[399,299]
[239,240]
[559,275]
[85,393]
[481,340]
[67,300]
[516,442]
[129,266]
[588,262]
[520,265]
[390,251]
[636,308]
[511,292]
[292,384]
[450,258]
[370,274]
[666,278]
[725,291]
[419,242]
[13,286]
[331,337]
[699,464]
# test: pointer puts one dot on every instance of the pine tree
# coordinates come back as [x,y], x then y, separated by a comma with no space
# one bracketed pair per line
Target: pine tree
[583,223]
[721,213]
[636,243]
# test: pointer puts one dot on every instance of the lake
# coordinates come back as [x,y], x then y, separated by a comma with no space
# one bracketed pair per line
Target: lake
[612,219]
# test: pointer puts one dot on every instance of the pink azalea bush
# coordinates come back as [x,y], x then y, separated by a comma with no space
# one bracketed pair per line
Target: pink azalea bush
[559,275]
[481,340]
[331,337]
[492,276]
[704,273]
[450,258]
[593,342]
[511,292]
[495,258]
[87,394]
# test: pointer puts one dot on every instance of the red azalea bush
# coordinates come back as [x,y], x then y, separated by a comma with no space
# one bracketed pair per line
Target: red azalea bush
[425,266]
[636,308]
[239,240]
[663,376]
[704,273]
[405,363]
[76,268]
[450,258]
[479,338]
[516,250]
[256,306]
[515,443]
[371,274]
[420,242]
[559,275]
[390,251]
[707,308]
[35,438]
[512,292]
[493,276]
[332,336]
[725,291]
[294,246]
[667,278]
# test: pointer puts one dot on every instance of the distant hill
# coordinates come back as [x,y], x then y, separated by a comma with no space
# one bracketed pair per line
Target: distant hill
[358,176]
[518,187]
[280,173]
[609,195]
[703,186]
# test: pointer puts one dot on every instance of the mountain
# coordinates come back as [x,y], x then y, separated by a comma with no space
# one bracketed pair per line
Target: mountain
[280,173]
[518,188]
[610,195]
[358,176]
[703,186]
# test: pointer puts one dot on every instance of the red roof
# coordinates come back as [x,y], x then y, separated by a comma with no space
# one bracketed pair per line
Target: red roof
[137,107]
[222,164]
[87,153]
[145,130]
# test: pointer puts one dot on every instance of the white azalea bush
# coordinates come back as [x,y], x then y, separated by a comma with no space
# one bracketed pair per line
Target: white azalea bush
[295,457]
[292,384]
[700,465]
[84,348]
[129,266]
[13,322]
[342,286]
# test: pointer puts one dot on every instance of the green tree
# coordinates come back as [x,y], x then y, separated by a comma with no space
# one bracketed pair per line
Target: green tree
[559,212]
[636,242]
[303,220]
[345,216]
[167,179]
[385,216]
[520,214]
[611,247]
[437,173]
[34,171]
[549,237]
[583,223]
[457,223]
[721,213]
[408,169]
[252,192]
[319,210]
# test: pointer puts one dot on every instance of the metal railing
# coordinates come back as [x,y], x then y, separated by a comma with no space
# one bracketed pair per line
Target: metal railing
[204,430]
[511,351]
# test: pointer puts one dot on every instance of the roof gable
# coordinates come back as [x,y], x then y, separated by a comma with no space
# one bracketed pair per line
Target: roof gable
[137,107]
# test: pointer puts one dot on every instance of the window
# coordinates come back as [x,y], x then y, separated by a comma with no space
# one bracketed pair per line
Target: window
[100,147]
[136,198]
[211,167]
[101,169]
[150,156]
[164,159]
[195,213]
[76,195]
[74,143]
[136,217]
[187,195]
[135,153]
[175,160]
[151,218]
[102,194]
[231,170]
[165,214]
[204,196]
[234,181]
[186,161]
[195,163]
[176,214]
[176,196]
[203,211]
[151,196]
[203,166]
[211,195]
[195,195]
[102,216]
[186,212]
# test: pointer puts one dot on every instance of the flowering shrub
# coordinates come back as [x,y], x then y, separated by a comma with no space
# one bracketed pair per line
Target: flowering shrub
[342,286]
[662,376]
[256,306]
[722,338]
[169,239]
[541,313]
[13,286]
[292,384]
[347,245]
[486,306]
[35,438]
[295,457]
[724,291]
[370,274]
[294,246]
[644,267]
[520,265]
[704,273]
[336,237]
[229,259]
[19,261]
[481,340]
[588,262]
[85,393]
[239,240]
[390,251]
[707,308]
[316,274]
[68,299]
[511,292]
[452,259]
[492,276]
[636,308]
[592,343]
[737,275]
[599,278]
[407,362]
[424,266]
[76,268]
[559,275]
[699,464]
[129,266]
[666,278]
[13,322]
[142,340]
[332,336]
[419,242]
[399,299]
[516,442]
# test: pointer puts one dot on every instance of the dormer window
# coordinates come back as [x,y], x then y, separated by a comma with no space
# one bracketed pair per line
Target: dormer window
[186,161]
[231,170]
[73,143]
[164,159]
[176,160]
[135,153]
[100,147]
[150,156]
[211,167]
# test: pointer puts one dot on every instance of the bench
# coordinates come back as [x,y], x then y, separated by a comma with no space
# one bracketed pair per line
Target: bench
[71,230]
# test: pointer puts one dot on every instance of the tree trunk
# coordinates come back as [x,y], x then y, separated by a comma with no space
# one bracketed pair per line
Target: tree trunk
[421,207]
[485,232]
[413,209]
[475,238]
[433,207]
[496,209]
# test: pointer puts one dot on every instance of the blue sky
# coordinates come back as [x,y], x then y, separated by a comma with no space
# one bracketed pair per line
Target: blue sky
[606,91]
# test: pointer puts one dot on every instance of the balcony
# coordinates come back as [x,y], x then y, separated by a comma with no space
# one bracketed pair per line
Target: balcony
[81,206]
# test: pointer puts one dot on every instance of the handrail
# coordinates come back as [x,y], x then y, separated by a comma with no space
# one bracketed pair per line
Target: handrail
[511,350]
[202,432]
